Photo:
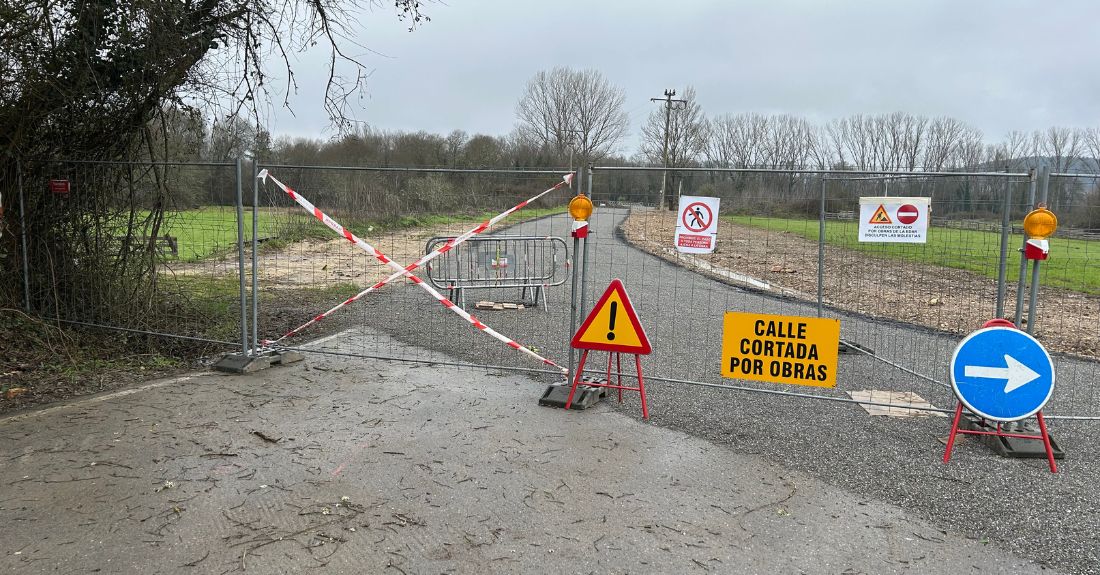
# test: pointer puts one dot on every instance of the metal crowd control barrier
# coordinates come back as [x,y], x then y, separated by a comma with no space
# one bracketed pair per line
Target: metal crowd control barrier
[499,262]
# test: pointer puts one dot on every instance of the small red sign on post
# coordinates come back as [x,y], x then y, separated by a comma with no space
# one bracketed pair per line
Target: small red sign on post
[59,186]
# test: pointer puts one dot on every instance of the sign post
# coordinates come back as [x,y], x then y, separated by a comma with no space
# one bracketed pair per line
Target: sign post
[612,326]
[580,208]
[1002,374]
[1039,224]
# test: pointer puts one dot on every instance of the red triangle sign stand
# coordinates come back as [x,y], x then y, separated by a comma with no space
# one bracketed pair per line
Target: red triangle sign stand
[600,331]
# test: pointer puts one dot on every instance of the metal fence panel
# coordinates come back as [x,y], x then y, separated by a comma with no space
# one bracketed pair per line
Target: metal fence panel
[141,247]
[304,268]
[903,306]
[530,264]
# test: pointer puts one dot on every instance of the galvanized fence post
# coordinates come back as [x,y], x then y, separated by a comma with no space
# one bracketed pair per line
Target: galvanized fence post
[1002,270]
[1032,180]
[573,285]
[240,260]
[23,237]
[821,251]
[1044,188]
[584,260]
[255,251]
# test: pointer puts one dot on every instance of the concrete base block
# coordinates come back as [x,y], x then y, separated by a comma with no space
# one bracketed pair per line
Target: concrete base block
[1014,446]
[853,348]
[585,397]
[1025,448]
[242,363]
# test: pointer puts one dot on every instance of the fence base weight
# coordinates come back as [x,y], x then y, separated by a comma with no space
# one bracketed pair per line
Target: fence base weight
[607,383]
[998,434]
[851,347]
[586,396]
[1017,447]
[242,363]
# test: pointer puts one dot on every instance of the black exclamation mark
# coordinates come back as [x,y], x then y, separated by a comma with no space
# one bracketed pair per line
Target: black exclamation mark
[611,324]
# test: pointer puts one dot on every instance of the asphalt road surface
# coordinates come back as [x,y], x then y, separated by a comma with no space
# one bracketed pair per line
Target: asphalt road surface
[344,465]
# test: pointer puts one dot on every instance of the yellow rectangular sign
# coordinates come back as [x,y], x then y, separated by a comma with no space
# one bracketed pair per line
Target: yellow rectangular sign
[780,349]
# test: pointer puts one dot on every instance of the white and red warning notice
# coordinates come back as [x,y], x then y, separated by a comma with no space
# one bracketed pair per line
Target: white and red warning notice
[697,225]
[896,220]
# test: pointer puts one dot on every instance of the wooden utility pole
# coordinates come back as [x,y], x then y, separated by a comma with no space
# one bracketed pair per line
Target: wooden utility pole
[668,116]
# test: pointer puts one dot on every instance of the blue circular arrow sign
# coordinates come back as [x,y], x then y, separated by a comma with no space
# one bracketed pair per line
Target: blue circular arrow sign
[1001,373]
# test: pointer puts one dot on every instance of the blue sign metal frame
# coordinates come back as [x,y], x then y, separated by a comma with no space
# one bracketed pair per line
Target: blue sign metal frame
[1002,374]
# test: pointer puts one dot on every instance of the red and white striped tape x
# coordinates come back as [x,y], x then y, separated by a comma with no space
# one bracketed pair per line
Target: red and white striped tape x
[449,245]
[407,270]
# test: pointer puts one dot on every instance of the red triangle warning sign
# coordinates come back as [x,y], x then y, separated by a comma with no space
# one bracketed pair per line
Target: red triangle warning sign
[612,325]
[880,216]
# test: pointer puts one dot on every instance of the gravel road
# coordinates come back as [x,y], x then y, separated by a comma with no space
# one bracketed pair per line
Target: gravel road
[1050,518]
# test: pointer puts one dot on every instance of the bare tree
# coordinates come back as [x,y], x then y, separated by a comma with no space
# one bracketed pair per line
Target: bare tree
[1012,152]
[786,142]
[737,141]
[943,136]
[968,151]
[1091,141]
[818,151]
[99,80]
[456,140]
[852,139]
[1061,147]
[565,108]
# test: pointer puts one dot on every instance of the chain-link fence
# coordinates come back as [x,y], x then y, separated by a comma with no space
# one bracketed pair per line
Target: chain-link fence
[788,244]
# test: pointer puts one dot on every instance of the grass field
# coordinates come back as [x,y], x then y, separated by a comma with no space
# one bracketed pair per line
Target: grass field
[1073,264]
[211,230]
[208,231]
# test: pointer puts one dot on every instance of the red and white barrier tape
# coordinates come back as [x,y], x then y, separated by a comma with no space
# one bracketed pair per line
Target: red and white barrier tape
[449,245]
[405,271]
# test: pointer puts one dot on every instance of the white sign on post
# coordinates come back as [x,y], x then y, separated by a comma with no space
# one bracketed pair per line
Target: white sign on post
[697,225]
[896,220]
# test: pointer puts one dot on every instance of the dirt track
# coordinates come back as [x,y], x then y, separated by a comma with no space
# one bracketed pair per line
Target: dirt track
[314,262]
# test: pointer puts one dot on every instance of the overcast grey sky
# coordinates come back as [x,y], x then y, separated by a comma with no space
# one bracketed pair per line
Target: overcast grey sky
[999,65]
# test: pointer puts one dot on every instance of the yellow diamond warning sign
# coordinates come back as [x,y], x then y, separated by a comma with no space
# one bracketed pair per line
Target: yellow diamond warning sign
[880,216]
[612,325]
[780,349]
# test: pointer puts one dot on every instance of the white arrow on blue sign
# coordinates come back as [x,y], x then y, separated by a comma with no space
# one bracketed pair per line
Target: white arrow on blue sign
[1001,373]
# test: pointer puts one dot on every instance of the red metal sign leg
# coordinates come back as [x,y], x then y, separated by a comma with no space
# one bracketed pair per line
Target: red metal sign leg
[619,366]
[641,386]
[1046,442]
[954,431]
[576,379]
